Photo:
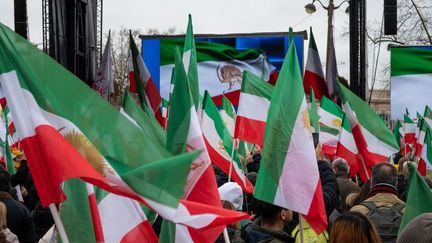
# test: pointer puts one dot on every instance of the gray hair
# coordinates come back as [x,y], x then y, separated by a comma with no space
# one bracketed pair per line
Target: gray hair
[341,165]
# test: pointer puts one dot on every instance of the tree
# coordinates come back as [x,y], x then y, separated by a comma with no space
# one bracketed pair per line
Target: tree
[120,56]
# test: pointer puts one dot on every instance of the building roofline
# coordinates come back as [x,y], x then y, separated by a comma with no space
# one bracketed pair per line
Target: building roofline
[229,35]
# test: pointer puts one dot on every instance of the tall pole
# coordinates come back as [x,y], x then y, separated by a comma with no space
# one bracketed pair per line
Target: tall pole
[330,11]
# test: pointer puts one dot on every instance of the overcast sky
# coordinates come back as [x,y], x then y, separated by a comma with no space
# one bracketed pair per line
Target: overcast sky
[222,16]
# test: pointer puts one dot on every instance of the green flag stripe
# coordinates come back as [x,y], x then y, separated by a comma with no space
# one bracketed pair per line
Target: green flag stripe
[255,85]
[410,61]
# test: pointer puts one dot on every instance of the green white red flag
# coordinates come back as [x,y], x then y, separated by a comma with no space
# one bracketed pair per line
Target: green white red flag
[398,133]
[313,114]
[104,83]
[142,83]
[375,142]
[190,64]
[220,145]
[314,75]
[410,128]
[252,110]
[288,175]
[330,119]
[68,131]
[228,114]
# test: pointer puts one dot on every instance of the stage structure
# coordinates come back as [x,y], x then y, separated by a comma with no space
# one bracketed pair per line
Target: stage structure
[72,34]
[221,59]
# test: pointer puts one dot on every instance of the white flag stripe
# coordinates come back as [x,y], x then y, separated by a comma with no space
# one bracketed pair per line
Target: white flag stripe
[253,107]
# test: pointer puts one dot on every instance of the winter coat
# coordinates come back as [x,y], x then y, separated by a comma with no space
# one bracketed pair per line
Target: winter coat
[330,186]
[42,220]
[18,218]
[253,232]
[346,186]
[10,237]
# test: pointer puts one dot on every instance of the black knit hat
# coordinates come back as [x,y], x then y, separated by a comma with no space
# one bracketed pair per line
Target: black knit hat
[418,230]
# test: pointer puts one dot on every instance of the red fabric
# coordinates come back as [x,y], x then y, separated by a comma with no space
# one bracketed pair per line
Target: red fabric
[50,169]
[233,96]
[329,151]
[273,77]
[422,167]
[317,217]
[141,233]
[205,191]
[249,130]
[312,80]
[132,84]
[153,96]
[224,165]
[97,225]
[350,157]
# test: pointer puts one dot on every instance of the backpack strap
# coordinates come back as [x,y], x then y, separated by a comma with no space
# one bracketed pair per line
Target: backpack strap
[398,207]
[369,205]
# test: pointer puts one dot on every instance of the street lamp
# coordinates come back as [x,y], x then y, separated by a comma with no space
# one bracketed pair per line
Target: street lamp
[310,9]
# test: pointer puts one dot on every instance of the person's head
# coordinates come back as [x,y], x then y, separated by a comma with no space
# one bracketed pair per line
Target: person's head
[384,173]
[405,170]
[5,181]
[418,230]
[252,177]
[340,167]
[228,205]
[353,227]
[3,220]
[401,163]
[272,215]
[231,191]
[363,194]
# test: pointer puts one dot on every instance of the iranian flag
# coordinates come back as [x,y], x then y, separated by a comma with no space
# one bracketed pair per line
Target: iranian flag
[164,112]
[127,223]
[314,75]
[220,145]
[142,83]
[347,149]
[399,133]
[228,114]
[375,142]
[410,129]
[220,67]
[184,134]
[313,114]
[330,119]
[252,110]
[190,64]
[411,76]
[68,131]
[104,83]
[288,175]
[426,153]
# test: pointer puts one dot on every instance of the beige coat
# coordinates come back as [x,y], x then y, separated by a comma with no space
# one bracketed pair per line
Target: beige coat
[380,199]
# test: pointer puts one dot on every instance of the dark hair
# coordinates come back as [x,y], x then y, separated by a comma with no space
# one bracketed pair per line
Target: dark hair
[268,211]
[341,165]
[384,173]
[363,194]
[5,181]
[353,227]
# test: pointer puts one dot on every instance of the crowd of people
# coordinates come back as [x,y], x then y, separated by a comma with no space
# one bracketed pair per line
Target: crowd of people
[357,211]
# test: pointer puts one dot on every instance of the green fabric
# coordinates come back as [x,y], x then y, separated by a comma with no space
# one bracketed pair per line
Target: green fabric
[211,110]
[75,212]
[312,44]
[168,230]
[280,125]
[327,129]
[122,144]
[407,119]
[331,107]
[180,110]
[410,60]
[192,71]
[6,148]
[313,113]
[396,132]
[419,197]
[144,119]
[428,112]
[228,107]
[135,55]
[206,51]
[368,118]
[255,85]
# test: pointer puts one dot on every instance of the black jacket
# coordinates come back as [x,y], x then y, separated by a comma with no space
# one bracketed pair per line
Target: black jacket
[252,233]
[330,186]
[42,220]
[18,219]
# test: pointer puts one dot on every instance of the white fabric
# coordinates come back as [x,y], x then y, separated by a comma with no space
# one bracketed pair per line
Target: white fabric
[232,192]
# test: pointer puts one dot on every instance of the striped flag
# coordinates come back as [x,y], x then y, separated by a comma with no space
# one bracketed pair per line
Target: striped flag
[330,119]
[190,64]
[220,145]
[104,83]
[313,114]
[142,83]
[288,175]
[375,142]
[228,114]
[314,76]
[254,103]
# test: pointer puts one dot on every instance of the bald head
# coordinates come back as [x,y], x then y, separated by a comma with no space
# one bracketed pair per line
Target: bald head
[384,173]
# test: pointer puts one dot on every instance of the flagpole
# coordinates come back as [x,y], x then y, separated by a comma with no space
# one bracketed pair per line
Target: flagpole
[364,167]
[301,228]
[226,236]
[232,160]
[58,223]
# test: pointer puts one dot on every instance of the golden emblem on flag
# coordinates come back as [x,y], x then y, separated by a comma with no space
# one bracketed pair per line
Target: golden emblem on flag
[88,151]
[306,121]
[337,122]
